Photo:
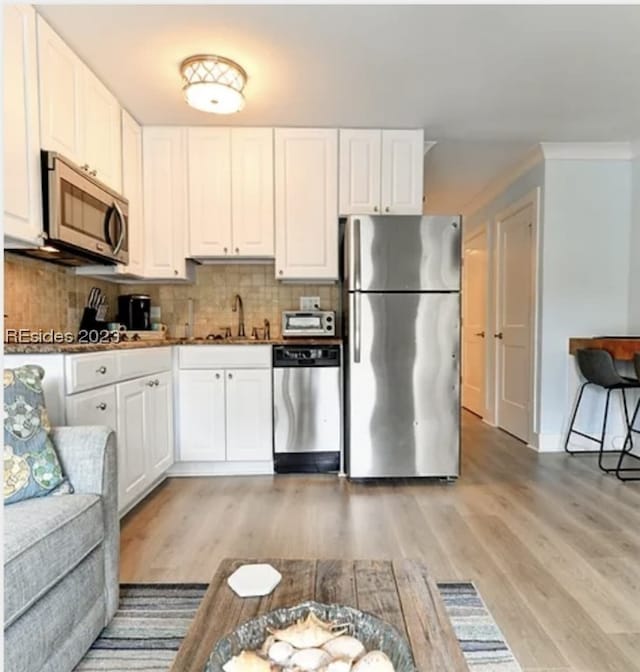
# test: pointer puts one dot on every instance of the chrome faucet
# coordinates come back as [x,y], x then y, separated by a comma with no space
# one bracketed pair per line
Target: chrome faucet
[238,307]
[267,330]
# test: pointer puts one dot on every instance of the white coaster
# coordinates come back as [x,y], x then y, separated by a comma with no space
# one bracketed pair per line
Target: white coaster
[254,580]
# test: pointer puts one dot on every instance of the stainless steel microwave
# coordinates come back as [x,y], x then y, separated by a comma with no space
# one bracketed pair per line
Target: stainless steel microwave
[84,220]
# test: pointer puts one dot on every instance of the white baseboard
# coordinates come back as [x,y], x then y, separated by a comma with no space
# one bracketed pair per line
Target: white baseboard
[554,443]
[221,469]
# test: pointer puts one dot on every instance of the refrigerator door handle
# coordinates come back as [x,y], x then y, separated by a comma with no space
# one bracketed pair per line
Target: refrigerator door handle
[357,335]
[356,255]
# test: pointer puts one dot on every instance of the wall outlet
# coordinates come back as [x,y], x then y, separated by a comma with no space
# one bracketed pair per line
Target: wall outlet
[309,303]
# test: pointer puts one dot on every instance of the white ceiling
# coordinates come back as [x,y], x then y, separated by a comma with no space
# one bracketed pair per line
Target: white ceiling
[486,82]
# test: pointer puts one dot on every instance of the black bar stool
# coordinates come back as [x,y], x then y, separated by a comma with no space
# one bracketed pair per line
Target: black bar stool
[626,451]
[598,368]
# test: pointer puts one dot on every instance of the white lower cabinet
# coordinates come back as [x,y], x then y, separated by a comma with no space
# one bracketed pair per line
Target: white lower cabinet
[145,433]
[225,417]
[249,415]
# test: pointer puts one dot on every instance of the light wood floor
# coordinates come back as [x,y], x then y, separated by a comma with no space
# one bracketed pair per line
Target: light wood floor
[553,545]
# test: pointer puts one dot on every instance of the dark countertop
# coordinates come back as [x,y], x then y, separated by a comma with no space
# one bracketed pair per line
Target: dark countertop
[77,348]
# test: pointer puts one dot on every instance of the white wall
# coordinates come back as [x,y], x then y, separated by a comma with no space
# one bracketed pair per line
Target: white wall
[584,276]
[584,268]
[634,249]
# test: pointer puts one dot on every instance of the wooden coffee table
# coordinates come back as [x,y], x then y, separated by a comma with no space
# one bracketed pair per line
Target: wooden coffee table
[401,592]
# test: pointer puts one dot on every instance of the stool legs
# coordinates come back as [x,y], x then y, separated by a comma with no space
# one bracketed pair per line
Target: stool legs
[626,452]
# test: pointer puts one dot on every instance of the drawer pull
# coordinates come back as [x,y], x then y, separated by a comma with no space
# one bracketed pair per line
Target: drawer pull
[230,376]
[102,370]
[101,406]
[156,382]
[150,383]
[217,375]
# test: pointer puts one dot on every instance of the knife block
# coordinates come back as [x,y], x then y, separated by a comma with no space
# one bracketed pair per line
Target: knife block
[89,322]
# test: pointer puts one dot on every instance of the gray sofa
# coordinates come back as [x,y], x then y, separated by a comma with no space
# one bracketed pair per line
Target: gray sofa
[61,559]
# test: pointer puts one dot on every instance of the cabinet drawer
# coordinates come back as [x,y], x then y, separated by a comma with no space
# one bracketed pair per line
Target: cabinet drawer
[87,371]
[224,356]
[96,407]
[135,363]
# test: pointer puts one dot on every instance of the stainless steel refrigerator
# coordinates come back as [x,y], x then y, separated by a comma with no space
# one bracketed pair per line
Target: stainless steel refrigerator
[401,322]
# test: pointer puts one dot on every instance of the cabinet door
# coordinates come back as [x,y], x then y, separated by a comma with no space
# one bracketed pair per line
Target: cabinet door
[402,172]
[165,218]
[252,191]
[160,429]
[306,203]
[132,422]
[96,407]
[132,190]
[201,415]
[209,155]
[101,135]
[249,415]
[61,78]
[360,154]
[22,199]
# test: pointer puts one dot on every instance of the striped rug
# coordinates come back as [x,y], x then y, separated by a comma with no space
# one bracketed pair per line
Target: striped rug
[153,619]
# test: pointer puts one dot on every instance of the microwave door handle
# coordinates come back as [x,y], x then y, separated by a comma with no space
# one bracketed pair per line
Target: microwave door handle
[107,221]
[123,228]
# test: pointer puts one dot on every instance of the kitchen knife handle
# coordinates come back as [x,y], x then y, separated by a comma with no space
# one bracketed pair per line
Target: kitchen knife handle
[356,255]
[357,335]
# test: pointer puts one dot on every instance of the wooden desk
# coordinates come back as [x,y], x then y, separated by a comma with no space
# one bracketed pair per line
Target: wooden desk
[620,348]
[401,592]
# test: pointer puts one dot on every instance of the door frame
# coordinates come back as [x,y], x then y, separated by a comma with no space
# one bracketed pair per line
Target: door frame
[532,199]
[482,228]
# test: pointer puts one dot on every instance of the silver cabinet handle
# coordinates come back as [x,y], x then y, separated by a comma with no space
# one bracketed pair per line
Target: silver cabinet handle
[237,250]
[123,228]
[230,376]
[175,271]
[356,254]
[280,272]
[102,370]
[387,209]
[150,383]
[225,249]
[357,335]
[101,406]
[375,208]
[217,375]
[156,382]
[499,335]
[93,172]
[84,166]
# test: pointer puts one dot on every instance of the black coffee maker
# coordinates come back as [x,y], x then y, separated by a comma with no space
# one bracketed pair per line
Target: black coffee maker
[134,311]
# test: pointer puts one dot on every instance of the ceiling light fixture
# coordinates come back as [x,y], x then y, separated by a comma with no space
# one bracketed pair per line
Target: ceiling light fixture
[213,84]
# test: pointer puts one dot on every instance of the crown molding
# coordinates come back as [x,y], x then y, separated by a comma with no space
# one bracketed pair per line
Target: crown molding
[587,151]
[504,179]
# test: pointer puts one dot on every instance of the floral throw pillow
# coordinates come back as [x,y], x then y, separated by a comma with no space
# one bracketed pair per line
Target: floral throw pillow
[31,464]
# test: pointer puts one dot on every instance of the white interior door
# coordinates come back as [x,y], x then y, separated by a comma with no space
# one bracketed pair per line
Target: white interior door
[474,312]
[513,334]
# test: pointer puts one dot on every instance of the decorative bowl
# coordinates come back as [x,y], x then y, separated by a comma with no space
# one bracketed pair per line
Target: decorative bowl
[373,632]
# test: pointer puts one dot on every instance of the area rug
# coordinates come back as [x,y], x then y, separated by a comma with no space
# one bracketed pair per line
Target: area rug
[152,620]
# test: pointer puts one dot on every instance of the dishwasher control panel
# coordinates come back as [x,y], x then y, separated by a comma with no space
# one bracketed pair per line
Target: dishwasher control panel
[303,355]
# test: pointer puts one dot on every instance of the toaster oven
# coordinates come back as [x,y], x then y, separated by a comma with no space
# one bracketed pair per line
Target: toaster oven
[308,323]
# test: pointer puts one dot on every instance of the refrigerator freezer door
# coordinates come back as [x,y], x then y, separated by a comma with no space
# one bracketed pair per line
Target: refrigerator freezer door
[403,393]
[403,254]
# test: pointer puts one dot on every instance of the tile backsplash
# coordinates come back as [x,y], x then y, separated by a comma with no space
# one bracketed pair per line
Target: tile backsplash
[41,295]
[213,292]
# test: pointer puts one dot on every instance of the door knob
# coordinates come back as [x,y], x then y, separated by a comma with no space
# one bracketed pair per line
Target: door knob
[102,370]
[93,172]
[84,166]
[101,406]
[499,335]
[479,333]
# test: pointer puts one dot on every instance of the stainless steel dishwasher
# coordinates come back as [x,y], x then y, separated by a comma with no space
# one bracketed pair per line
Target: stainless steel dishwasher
[307,409]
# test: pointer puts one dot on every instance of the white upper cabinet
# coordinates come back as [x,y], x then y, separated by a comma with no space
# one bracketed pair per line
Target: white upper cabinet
[381,172]
[230,192]
[79,117]
[402,172]
[306,203]
[60,75]
[252,191]
[165,207]
[360,159]
[22,189]
[132,191]
[209,152]
[101,139]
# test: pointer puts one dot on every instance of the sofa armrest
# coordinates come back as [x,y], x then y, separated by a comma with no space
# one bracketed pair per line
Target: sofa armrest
[89,460]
